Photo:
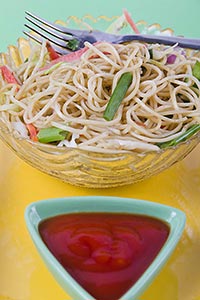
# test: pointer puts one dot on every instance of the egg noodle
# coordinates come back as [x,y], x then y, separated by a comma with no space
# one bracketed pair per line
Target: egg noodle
[161,103]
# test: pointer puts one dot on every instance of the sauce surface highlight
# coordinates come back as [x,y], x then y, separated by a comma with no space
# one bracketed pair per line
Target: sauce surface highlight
[106,253]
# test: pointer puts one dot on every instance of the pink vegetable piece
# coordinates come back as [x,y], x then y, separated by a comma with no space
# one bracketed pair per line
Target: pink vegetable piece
[171,59]
[8,75]
[130,21]
[66,58]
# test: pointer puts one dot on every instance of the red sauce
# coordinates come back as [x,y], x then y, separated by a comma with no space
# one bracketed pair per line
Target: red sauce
[105,253]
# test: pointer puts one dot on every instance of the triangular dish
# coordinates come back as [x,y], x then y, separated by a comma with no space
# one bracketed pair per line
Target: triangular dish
[42,210]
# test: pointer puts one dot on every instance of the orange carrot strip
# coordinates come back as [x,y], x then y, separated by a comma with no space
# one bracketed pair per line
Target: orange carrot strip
[33,132]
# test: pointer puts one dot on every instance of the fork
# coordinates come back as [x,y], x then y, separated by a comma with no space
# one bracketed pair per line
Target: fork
[66,40]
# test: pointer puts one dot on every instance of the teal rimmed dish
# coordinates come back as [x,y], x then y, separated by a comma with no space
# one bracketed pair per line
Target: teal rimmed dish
[38,211]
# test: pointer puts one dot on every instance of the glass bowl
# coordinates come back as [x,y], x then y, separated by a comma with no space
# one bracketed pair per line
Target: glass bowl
[38,211]
[87,168]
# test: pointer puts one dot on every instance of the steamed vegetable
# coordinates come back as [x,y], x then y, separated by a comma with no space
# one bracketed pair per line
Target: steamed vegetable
[8,75]
[52,53]
[73,44]
[118,95]
[130,21]
[51,134]
[171,59]
[72,56]
[183,137]
[196,70]
[32,132]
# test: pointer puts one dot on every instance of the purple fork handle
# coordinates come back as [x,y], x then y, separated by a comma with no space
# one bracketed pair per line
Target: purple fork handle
[160,39]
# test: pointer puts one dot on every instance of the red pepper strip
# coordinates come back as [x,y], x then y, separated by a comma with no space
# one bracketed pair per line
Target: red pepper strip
[66,58]
[71,56]
[33,132]
[8,75]
[130,21]
[52,53]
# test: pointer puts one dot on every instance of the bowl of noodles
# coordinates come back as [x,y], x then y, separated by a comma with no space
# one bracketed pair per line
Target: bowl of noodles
[52,112]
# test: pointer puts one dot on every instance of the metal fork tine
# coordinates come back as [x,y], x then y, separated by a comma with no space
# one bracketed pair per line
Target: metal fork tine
[38,38]
[54,26]
[34,37]
[58,35]
[56,41]
[47,23]
[49,30]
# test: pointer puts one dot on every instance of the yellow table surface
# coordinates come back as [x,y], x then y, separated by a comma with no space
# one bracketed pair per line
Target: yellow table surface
[24,276]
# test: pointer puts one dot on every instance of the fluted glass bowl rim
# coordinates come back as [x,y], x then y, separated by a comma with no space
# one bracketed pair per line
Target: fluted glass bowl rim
[93,157]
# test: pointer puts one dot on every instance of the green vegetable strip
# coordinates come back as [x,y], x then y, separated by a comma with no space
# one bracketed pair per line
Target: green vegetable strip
[186,135]
[51,134]
[118,95]
[54,67]
[196,70]
[73,44]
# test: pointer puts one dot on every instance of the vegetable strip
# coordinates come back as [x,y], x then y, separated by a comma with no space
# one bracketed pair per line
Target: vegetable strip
[32,132]
[8,75]
[51,134]
[196,70]
[183,137]
[118,95]
[130,21]
[52,53]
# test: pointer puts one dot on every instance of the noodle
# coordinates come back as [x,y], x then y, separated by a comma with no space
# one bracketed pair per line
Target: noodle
[161,103]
